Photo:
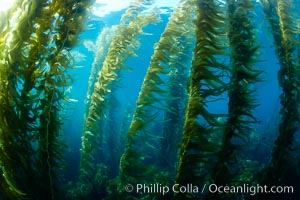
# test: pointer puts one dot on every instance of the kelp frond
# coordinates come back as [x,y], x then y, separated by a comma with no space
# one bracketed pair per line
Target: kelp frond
[168,52]
[124,44]
[198,154]
[283,27]
[101,48]
[34,60]
[244,51]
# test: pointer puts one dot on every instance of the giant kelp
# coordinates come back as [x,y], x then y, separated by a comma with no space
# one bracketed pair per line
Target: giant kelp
[168,53]
[284,30]
[10,158]
[244,52]
[198,153]
[123,46]
[241,92]
[35,42]
[34,59]
[176,92]
[174,115]
[100,50]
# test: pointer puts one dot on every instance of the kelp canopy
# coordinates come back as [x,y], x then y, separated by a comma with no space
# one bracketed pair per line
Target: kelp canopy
[173,96]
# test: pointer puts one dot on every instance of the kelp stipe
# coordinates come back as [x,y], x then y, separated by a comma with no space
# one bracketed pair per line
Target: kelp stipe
[67,26]
[284,33]
[198,154]
[152,98]
[33,79]
[8,189]
[123,46]
[241,92]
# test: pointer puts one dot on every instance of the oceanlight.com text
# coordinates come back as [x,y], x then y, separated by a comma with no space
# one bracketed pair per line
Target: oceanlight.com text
[251,189]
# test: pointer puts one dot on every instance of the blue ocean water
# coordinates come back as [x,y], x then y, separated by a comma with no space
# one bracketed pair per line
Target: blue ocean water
[267,92]
[129,84]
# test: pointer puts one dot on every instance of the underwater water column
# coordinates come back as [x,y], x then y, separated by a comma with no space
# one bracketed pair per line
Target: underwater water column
[198,153]
[112,137]
[176,89]
[168,51]
[284,30]
[124,44]
[123,130]
[241,92]
[34,61]
[174,116]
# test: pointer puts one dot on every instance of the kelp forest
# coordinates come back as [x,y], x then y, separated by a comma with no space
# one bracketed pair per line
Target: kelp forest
[195,101]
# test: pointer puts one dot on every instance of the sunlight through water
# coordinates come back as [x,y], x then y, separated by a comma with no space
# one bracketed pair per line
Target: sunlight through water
[104,7]
[5,4]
